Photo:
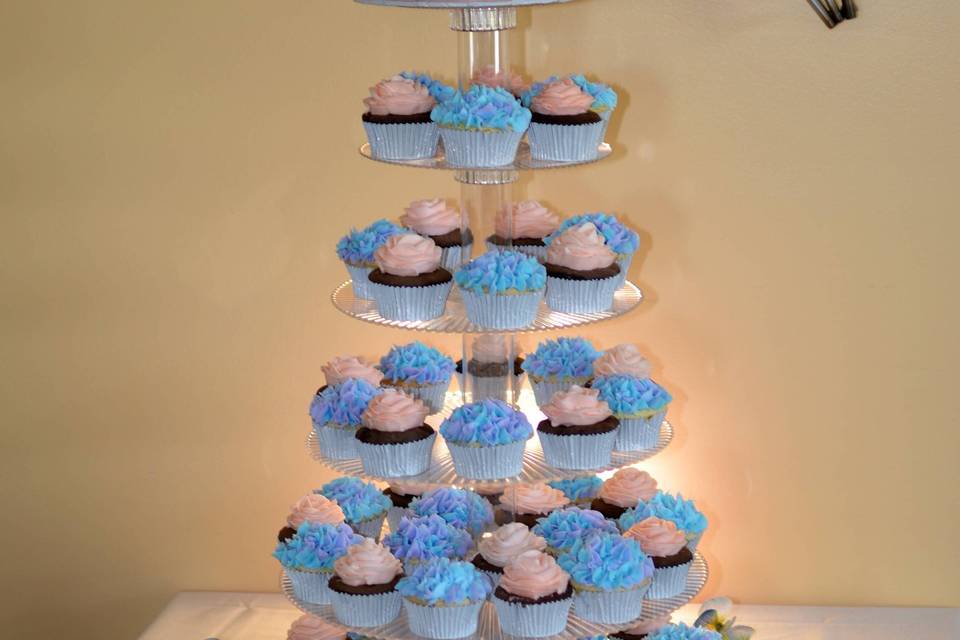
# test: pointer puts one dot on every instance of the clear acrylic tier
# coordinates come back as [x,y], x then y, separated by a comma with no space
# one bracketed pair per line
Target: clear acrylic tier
[489,627]
[454,319]
[523,161]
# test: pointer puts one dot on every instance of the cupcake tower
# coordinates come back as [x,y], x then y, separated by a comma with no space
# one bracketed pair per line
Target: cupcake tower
[480,512]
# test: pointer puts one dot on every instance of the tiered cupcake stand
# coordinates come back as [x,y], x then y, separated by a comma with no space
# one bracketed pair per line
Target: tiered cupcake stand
[482,27]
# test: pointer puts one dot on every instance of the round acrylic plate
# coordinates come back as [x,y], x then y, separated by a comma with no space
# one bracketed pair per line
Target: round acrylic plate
[523,161]
[489,627]
[458,4]
[454,319]
[535,467]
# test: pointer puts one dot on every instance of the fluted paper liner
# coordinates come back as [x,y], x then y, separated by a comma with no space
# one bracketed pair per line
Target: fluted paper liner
[337,441]
[669,581]
[581,296]
[578,451]
[361,281]
[532,620]
[396,460]
[366,610]
[565,142]
[310,586]
[487,463]
[610,607]
[410,303]
[479,149]
[402,141]
[639,434]
[442,622]
[501,310]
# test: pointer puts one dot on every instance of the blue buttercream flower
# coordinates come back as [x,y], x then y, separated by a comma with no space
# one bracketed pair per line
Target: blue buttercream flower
[315,546]
[563,527]
[445,582]
[628,396]
[561,358]
[680,631]
[427,538]
[440,91]
[621,239]
[343,403]
[607,562]
[526,98]
[482,108]
[580,488]
[487,423]
[458,507]
[666,506]
[416,362]
[632,516]
[357,247]
[501,272]
[358,500]
[604,98]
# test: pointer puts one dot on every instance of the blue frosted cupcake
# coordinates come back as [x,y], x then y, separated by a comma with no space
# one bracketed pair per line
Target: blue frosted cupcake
[308,558]
[397,121]
[639,404]
[486,439]
[582,271]
[622,240]
[502,289]
[610,575]
[562,528]
[443,598]
[460,508]
[420,371]
[440,90]
[680,631]
[482,127]
[559,364]
[580,490]
[336,411]
[675,509]
[356,249]
[364,506]
[604,99]
[419,540]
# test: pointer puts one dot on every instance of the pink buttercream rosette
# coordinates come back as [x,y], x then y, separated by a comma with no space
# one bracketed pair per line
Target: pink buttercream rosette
[564,142]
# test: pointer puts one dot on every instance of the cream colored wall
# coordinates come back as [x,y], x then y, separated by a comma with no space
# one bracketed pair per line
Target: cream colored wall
[174,176]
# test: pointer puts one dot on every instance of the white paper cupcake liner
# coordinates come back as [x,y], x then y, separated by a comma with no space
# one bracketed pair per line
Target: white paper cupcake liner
[394,514]
[581,296]
[407,141]
[410,303]
[543,390]
[337,442]
[452,257]
[494,580]
[442,622]
[565,142]
[487,463]
[669,581]
[605,119]
[361,283]
[578,451]
[369,528]
[532,620]
[358,610]
[489,386]
[501,311]
[639,434]
[610,607]
[310,586]
[433,395]
[537,251]
[623,261]
[396,460]
[479,148]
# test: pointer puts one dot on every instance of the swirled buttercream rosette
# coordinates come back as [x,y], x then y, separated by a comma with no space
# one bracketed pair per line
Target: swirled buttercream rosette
[397,121]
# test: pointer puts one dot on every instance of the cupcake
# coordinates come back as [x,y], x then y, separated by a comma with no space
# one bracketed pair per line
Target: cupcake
[486,439]
[610,575]
[397,120]
[482,127]
[559,364]
[522,226]
[579,431]
[420,371]
[562,127]
[502,289]
[394,440]
[443,598]
[582,272]
[409,283]
[624,490]
[490,492]
[356,251]
[460,508]
[642,630]
[527,503]
[311,508]
[308,558]
[534,596]
[419,540]
[401,494]
[676,509]
[489,369]
[680,631]
[622,360]
[363,589]
[336,411]
[343,368]
[563,527]
[506,543]
[639,404]
[309,627]
[364,507]
[667,547]
[580,490]
[622,240]
[604,99]
[490,76]
[442,224]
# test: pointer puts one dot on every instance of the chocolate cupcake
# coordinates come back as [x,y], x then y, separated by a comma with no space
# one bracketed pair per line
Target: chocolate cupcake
[394,440]
[397,120]
[563,128]
[622,491]
[582,272]
[363,589]
[409,283]
[443,224]
[528,502]
[622,240]
[498,550]
[522,226]
[579,431]
[401,494]
[534,596]
[642,630]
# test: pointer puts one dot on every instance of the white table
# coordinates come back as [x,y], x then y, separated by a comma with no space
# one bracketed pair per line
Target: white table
[195,615]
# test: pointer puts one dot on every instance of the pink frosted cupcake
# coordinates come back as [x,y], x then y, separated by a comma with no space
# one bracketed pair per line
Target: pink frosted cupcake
[398,122]
[667,547]
[522,226]
[308,627]
[312,508]
[534,596]
[363,589]
[344,368]
[526,503]
[642,630]
[394,440]
[443,224]
[498,550]
[409,283]
[582,271]
[579,431]
[563,128]
[623,491]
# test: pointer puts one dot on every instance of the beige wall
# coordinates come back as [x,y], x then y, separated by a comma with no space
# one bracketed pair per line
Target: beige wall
[173,176]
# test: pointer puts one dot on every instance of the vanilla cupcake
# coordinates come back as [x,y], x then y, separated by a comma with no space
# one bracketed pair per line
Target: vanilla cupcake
[534,596]
[506,543]
[582,271]
[622,491]
[522,226]
[527,503]
[397,120]
[363,589]
[394,440]
[409,283]
[312,508]
[667,547]
[579,431]
[444,225]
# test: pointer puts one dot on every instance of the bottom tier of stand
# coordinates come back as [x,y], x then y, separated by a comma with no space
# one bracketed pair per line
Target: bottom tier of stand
[489,627]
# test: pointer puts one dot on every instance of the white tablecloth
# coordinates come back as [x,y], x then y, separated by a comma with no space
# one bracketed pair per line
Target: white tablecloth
[194,615]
